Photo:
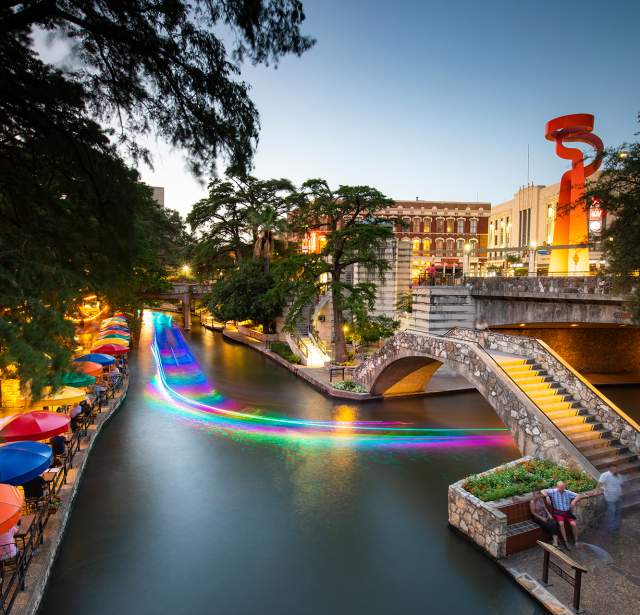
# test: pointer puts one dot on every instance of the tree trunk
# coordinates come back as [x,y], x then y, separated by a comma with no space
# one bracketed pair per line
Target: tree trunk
[338,334]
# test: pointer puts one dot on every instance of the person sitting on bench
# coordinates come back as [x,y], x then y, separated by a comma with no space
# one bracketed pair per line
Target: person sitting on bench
[542,516]
[563,502]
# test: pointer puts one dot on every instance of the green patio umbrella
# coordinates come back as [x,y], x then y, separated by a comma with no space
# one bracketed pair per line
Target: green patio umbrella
[76,379]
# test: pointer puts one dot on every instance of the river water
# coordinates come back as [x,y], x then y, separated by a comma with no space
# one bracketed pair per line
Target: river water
[178,514]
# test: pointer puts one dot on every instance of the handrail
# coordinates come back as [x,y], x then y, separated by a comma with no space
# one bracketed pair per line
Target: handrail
[315,336]
[301,347]
[519,388]
[593,389]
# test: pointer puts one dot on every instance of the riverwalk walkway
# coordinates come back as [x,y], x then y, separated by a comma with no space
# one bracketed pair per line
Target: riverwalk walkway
[28,601]
[611,585]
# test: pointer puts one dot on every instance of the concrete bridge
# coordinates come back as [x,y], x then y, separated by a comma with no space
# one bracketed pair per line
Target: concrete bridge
[185,293]
[550,409]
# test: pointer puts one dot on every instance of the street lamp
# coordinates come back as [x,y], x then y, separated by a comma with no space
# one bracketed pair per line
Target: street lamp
[186,270]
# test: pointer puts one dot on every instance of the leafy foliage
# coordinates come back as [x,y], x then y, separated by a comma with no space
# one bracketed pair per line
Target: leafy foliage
[354,235]
[283,350]
[164,65]
[241,215]
[246,293]
[526,477]
[349,385]
[617,190]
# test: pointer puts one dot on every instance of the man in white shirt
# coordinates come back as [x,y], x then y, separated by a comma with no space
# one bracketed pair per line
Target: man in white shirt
[610,484]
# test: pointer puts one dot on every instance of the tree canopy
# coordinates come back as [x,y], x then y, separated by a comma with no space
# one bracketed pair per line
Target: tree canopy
[617,191]
[346,217]
[172,67]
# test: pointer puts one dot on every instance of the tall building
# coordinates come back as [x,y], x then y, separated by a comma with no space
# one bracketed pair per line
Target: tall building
[438,232]
[158,194]
[527,221]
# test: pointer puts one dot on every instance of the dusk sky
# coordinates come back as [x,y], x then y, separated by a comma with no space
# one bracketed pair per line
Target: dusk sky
[436,99]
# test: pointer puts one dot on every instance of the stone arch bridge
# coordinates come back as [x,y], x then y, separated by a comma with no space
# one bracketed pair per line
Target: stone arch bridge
[550,409]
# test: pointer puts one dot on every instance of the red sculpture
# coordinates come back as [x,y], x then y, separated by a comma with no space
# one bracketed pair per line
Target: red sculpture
[571,221]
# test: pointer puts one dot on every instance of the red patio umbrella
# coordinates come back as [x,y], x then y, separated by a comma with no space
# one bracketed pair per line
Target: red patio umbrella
[35,425]
[10,507]
[110,349]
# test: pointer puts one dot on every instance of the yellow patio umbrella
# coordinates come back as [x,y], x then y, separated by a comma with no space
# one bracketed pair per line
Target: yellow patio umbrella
[63,397]
[113,340]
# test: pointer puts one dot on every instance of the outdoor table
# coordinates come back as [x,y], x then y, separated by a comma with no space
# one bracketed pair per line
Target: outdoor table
[49,476]
[25,528]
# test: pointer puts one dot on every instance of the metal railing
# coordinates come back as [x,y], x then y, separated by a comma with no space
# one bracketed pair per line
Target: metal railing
[13,570]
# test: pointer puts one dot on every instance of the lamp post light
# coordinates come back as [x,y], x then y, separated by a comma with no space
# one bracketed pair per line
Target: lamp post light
[532,258]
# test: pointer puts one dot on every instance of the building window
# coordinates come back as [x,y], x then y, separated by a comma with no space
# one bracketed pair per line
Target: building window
[450,223]
[460,226]
[426,245]
[440,225]
[474,245]
[406,224]
[439,246]
[416,245]
[450,247]
[473,226]
[524,229]
[460,247]
[416,225]
[427,225]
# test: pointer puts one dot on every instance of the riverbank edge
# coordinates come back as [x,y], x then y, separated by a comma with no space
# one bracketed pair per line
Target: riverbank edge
[36,583]
[320,386]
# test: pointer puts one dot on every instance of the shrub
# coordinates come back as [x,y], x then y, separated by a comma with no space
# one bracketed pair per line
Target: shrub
[526,477]
[349,385]
[283,350]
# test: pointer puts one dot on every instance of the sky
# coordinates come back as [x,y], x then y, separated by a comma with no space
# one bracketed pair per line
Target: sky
[435,99]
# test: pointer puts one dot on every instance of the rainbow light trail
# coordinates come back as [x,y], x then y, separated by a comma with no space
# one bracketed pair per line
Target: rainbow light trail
[180,382]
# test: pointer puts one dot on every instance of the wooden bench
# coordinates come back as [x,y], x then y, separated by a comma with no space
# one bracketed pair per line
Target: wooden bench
[522,531]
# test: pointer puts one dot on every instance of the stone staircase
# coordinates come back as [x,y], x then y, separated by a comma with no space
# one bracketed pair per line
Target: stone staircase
[586,432]
[303,343]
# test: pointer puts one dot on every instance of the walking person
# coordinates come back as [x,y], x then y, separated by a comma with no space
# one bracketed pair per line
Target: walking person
[610,484]
[543,517]
[563,501]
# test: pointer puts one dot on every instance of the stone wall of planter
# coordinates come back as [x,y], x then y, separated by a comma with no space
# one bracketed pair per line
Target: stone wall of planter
[484,523]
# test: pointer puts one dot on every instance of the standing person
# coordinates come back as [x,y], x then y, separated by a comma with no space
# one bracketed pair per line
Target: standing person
[8,549]
[610,484]
[432,274]
[542,516]
[563,501]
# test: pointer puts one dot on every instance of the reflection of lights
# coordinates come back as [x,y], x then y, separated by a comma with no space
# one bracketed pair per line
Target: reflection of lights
[573,324]
[522,324]
[184,388]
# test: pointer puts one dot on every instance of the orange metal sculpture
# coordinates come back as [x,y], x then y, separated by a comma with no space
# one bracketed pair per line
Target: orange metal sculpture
[571,221]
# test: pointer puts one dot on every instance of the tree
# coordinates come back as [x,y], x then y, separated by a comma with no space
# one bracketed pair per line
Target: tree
[74,219]
[354,236]
[617,191]
[241,215]
[164,65]
[246,293]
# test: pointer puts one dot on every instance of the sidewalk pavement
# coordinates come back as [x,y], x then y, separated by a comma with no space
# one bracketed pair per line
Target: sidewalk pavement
[612,583]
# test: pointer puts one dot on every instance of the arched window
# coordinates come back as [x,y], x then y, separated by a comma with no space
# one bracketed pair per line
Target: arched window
[427,225]
[440,225]
[473,226]
[460,226]
[416,245]
[426,245]
[450,224]
[474,245]
[416,225]
[450,247]
[460,247]
[439,246]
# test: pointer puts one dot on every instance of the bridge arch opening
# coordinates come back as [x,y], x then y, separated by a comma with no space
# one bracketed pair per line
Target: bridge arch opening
[405,376]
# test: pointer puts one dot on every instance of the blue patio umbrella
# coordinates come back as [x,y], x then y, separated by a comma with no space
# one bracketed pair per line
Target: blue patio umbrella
[96,357]
[22,461]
